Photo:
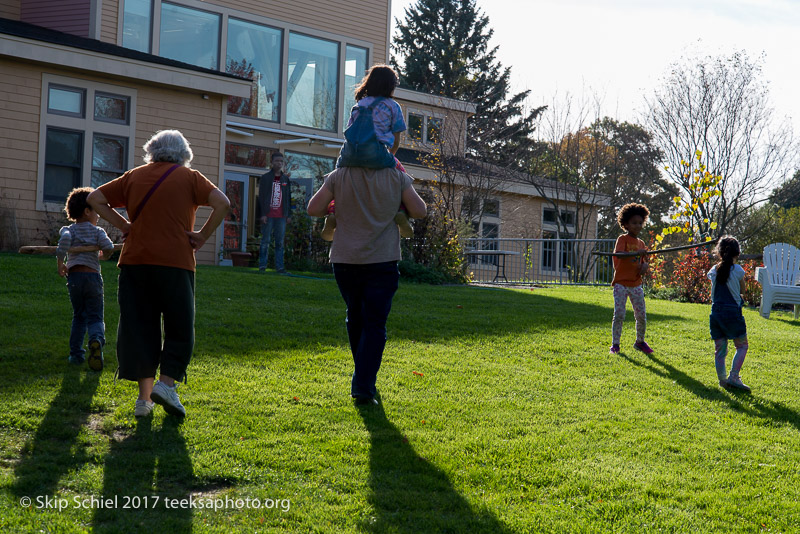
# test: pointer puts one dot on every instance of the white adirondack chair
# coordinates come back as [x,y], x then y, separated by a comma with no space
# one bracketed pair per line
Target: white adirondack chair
[779,277]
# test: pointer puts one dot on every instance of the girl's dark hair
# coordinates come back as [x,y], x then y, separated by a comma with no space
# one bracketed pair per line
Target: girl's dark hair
[629,210]
[381,80]
[728,250]
[76,202]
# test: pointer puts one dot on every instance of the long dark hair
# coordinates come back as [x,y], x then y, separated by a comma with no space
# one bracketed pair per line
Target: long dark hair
[728,250]
[381,80]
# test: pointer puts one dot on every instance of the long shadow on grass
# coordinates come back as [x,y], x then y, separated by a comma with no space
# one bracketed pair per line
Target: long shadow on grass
[428,314]
[146,464]
[410,494]
[55,449]
[759,407]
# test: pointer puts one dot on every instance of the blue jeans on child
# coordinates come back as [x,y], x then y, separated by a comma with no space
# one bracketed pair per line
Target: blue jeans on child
[367,291]
[274,227]
[86,295]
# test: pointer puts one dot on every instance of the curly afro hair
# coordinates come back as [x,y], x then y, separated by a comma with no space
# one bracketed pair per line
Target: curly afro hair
[629,210]
[76,202]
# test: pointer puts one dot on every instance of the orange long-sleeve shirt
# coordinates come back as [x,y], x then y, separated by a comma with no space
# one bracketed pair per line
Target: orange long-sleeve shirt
[626,270]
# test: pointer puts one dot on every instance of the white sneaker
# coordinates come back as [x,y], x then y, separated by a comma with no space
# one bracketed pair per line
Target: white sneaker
[143,408]
[168,398]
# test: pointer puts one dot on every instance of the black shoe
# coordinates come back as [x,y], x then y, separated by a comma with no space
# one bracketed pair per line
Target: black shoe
[362,401]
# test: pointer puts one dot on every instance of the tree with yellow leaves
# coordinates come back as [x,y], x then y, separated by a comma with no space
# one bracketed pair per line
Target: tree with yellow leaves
[691,216]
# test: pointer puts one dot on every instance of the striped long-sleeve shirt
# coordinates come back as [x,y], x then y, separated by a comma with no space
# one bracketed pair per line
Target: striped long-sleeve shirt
[79,235]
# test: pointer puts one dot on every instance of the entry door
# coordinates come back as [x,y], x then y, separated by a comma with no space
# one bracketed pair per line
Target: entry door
[234,227]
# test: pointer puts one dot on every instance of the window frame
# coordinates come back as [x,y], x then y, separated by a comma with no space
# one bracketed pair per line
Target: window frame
[79,115]
[281,78]
[81,161]
[339,99]
[87,125]
[184,5]
[426,115]
[127,99]
[126,148]
[560,251]
[286,27]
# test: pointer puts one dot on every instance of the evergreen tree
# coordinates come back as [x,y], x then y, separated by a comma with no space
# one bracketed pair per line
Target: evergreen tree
[787,195]
[442,47]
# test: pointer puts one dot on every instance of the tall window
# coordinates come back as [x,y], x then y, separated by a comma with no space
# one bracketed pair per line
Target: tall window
[558,249]
[87,128]
[63,163]
[189,35]
[415,122]
[311,93]
[355,66]
[136,24]
[254,51]
[319,70]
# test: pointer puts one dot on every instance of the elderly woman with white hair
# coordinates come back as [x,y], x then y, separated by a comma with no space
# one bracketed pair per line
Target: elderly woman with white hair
[157,265]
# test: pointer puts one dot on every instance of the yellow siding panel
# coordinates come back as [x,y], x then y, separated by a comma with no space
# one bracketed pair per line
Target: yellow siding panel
[109,21]
[157,109]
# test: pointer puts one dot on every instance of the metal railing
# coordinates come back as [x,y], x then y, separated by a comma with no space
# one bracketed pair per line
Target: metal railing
[539,261]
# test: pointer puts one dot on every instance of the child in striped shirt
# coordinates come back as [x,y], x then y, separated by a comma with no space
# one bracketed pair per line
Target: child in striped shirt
[84,281]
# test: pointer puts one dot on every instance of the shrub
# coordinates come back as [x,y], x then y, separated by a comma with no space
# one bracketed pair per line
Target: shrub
[420,274]
[683,277]
[436,243]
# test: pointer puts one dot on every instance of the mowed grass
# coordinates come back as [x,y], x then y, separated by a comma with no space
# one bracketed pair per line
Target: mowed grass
[502,411]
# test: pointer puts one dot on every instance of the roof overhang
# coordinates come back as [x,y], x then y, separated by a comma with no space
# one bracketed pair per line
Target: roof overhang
[519,185]
[435,100]
[33,51]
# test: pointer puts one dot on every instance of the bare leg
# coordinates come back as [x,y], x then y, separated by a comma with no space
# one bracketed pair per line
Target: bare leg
[167,380]
[145,388]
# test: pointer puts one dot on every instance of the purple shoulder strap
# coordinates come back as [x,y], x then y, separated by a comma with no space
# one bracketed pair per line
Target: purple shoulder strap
[152,190]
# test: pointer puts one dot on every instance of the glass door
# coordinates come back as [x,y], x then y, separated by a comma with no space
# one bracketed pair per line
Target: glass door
[234,227]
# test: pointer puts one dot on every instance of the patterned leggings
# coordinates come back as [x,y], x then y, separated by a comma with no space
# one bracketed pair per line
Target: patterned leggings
[721,351]
[621,294]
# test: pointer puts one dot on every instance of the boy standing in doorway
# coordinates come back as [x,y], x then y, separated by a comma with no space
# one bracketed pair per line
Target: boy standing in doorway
[274,198]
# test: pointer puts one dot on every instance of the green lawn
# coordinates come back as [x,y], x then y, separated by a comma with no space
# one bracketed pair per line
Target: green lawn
[502,411]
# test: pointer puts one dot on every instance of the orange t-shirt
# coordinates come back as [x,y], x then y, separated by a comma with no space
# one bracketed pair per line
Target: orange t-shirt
[158,236]
[626,270]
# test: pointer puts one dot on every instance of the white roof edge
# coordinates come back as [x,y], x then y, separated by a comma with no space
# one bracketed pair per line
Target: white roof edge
[22,48]
[597,199]
[435,100]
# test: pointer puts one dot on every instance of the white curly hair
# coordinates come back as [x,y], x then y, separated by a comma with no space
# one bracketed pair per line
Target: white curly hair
[170,146]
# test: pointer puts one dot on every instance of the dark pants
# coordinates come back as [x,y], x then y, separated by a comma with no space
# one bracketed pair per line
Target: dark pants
[86,296]
[148,295]
[274,229]
[367,291]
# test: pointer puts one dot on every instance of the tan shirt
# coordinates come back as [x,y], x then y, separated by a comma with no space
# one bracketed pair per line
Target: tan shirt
[366,202]
[158,236]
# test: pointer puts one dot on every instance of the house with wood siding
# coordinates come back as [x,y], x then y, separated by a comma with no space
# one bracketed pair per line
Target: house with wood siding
[86,82]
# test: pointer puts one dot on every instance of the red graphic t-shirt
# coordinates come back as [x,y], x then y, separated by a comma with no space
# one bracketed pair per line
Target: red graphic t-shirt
[276,200]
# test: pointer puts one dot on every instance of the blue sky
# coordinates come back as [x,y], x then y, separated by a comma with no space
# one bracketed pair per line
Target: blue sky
[619,49]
